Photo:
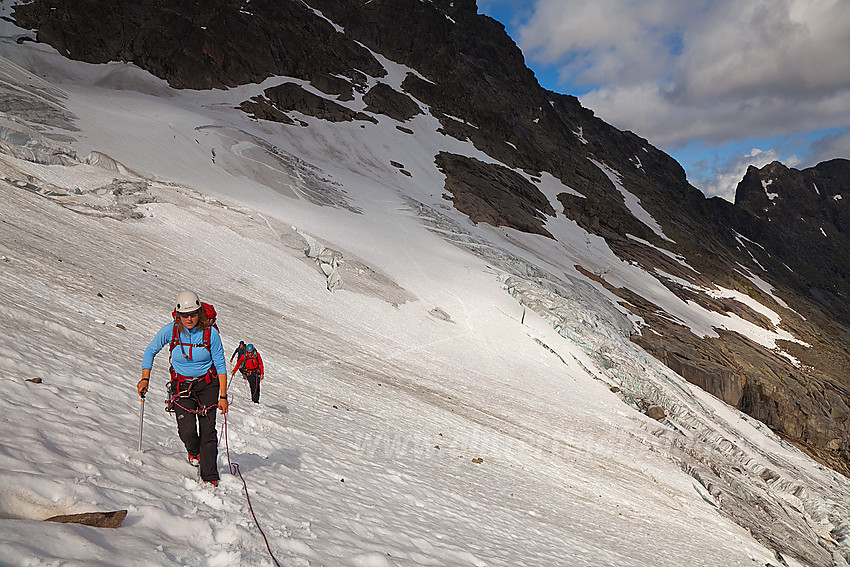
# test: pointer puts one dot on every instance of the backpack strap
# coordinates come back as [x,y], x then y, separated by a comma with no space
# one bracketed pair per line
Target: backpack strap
[205,341]
[175,334]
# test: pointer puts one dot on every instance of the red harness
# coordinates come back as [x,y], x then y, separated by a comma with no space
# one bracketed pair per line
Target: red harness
[175,341]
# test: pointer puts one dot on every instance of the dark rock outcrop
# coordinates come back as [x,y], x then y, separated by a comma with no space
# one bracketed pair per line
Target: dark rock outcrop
[333,85]
[290,96]
[383,99]
[200,45]
[494,194]
[802,220]
[93,519]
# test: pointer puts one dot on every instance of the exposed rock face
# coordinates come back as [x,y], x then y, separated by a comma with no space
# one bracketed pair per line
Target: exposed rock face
[494,194]
[808,406]
[290,96]
[803,219]
[383,99]
[333,85]
[789,227]
[199,45]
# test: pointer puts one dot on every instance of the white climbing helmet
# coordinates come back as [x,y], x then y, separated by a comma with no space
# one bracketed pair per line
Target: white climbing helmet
[187,301]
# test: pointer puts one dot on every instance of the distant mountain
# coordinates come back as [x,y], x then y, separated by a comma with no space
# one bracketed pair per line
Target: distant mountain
[787,228]
[803,217]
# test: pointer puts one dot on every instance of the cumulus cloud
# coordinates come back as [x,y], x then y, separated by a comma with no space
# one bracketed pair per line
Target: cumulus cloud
[602,42]
[708,70]
[720,175]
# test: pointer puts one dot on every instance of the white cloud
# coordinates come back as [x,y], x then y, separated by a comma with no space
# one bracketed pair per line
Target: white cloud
[726,173]
[714,70]
[599,41]
[785,48]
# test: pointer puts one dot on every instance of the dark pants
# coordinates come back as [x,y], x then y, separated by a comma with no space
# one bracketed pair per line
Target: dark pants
[254,383]
[197,431]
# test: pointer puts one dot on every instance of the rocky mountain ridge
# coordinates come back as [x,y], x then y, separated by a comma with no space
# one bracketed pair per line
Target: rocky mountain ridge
[786,226]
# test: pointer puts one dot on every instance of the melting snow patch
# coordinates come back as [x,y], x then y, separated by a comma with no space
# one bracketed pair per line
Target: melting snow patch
[632,202]
[637,162]
[765,185]
[551,186]
[733,322]
[764,286]
[678,257]
[396,72]
[580,135]
[338,28]
[461,120]
[743,241]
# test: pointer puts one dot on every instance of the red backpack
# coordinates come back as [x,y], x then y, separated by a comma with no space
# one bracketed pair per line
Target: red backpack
[251,360]
[209,310]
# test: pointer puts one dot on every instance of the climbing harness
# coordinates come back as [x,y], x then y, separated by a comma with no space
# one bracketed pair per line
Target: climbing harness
[176,392]
[202,411]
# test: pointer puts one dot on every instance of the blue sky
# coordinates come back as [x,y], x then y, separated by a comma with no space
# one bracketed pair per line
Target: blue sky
[717,84]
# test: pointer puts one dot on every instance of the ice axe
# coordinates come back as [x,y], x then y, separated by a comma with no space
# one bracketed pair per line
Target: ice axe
[141,415]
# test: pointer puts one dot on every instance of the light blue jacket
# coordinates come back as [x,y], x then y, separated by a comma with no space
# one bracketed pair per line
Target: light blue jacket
[190,358]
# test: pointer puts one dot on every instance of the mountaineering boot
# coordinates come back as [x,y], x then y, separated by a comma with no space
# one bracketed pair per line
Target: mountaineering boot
[194,460]
[212,482]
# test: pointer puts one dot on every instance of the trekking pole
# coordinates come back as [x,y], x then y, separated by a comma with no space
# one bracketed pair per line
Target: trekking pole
[229,380]
[141,417]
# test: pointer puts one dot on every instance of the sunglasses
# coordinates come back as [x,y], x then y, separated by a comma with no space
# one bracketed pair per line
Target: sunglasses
[189,315]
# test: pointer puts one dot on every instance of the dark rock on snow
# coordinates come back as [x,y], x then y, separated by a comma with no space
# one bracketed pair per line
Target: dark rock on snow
[94,519]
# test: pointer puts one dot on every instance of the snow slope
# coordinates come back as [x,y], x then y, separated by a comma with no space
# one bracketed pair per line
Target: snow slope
[450,403]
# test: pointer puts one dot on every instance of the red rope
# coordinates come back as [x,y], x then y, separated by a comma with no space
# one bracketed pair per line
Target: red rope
[196,412]
[234,470]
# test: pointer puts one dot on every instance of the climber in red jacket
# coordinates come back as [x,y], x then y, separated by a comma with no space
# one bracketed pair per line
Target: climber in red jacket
[253,365]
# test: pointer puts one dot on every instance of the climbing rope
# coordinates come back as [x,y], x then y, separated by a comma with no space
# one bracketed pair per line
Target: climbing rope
[202,411]
[186,393]
[234,470]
